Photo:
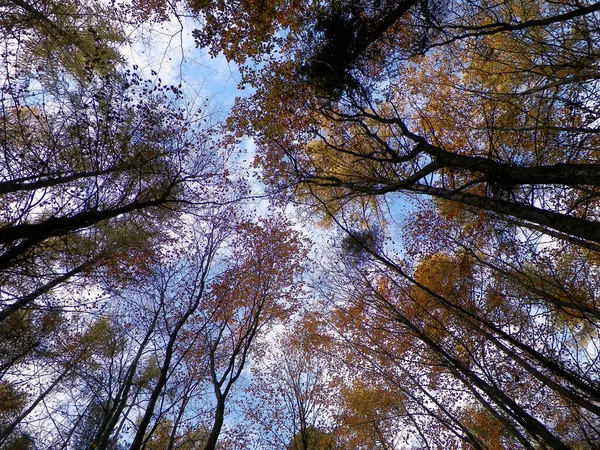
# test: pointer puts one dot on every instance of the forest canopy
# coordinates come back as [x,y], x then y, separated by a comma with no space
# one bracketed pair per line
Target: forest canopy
[424,274]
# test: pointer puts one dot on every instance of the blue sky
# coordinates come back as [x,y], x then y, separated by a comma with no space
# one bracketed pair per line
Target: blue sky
[169,50]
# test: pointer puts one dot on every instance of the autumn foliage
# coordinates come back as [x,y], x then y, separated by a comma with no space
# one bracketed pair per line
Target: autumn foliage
[416,267]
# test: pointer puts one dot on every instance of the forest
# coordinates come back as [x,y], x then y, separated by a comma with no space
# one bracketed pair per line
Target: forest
[389,240]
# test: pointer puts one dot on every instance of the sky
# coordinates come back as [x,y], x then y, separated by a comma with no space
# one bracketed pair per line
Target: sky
[169,50]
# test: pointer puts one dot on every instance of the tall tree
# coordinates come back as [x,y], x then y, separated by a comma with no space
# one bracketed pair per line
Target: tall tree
[478,330]
[290,396]
[258,289]
[82,171]
[448,124]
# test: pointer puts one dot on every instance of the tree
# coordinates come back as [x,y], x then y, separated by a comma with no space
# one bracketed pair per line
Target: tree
[312,439]
[158,365]
[50,37]
[290,392]
[97,167]
[478,328]
[182,289]
[368,142]
[257,289]
[84,169]
[369,416]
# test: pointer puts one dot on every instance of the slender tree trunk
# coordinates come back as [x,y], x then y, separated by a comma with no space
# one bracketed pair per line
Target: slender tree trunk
[104,432]
[8,429]
[514,410]
[213,437]
[26,300]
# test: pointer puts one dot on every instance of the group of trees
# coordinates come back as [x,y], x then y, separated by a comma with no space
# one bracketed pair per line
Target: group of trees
[449,149]
[133,293]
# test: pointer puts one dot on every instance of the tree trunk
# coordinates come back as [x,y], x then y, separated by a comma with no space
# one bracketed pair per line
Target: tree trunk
[213,437]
